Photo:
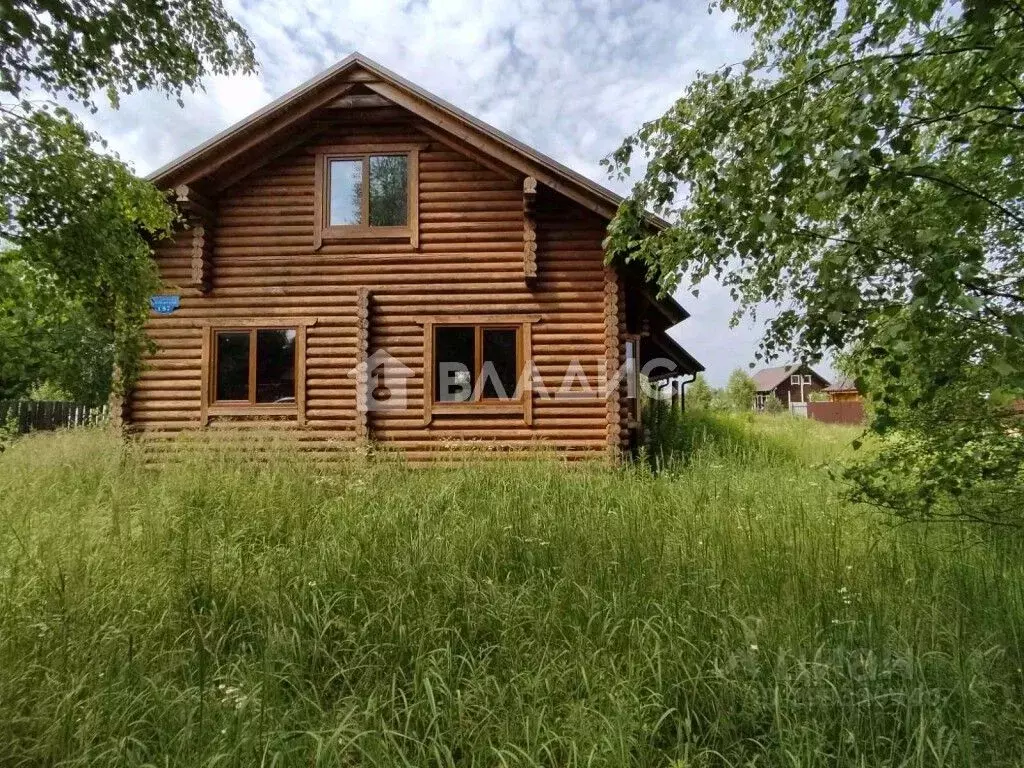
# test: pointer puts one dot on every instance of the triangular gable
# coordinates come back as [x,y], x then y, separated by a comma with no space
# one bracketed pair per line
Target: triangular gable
[288,121]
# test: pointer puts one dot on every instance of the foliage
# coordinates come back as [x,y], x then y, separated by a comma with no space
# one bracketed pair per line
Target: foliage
[699,394]
[956,454]
[54,392]
[660,430]
[740,391]
[78,49]
[772,404]
[9,431]
[48,339]
[80,219]
[818,396]
[389,185]
[736,613]
[863,172]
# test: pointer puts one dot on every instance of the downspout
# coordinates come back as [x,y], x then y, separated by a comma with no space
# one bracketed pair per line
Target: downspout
[682,390]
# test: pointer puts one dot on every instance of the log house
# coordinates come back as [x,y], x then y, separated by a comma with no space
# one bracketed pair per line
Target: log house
[340,243]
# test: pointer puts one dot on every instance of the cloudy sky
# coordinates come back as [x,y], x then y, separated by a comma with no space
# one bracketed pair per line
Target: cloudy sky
[569,77]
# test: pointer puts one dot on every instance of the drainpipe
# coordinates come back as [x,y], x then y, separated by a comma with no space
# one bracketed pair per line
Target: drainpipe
[682,390]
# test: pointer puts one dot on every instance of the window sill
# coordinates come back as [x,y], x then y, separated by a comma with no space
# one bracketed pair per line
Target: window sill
[342,234]
[290,409]
[516,408]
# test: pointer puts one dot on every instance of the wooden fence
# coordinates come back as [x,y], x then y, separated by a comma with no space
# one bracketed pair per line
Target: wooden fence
[841,412]
[29,415]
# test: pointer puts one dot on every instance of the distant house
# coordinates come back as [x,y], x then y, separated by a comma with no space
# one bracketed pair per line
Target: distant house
[791,384]
[843,390]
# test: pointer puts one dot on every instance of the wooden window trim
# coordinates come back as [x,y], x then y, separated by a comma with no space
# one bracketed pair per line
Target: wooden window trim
[210,406]
[523,402]
[323,232]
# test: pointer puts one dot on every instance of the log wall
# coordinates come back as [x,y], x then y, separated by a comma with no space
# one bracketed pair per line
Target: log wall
[470,260]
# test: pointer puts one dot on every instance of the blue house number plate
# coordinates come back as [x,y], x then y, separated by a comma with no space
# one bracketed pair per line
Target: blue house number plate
[164,305]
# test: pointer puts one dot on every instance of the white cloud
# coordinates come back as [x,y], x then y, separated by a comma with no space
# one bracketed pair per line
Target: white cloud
[571,78]
[238,97]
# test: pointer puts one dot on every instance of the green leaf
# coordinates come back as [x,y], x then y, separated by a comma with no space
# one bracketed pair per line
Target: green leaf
[1002,367]
[80,221]
[886,135]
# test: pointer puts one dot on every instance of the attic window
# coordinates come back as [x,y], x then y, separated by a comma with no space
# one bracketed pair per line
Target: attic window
[367,195]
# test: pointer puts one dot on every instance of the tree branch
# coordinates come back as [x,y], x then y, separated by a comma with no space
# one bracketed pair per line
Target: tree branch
[984,291]
[967,191]
[805,232]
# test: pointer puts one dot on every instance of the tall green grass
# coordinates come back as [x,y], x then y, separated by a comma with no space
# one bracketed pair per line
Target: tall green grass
[729,611]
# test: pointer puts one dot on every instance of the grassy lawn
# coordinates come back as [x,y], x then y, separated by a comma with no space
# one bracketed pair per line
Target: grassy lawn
[731,612]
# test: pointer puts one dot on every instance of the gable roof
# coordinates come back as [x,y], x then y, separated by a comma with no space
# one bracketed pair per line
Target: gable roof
[768,379]
[263,125]
[404,93]
[842,384]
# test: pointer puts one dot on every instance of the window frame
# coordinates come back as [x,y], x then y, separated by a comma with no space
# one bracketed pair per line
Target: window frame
[210,406]
[794,378]
[325,232]
[521,405]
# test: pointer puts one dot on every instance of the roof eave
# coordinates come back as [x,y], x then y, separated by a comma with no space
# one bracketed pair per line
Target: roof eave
[251,120]
[687,362]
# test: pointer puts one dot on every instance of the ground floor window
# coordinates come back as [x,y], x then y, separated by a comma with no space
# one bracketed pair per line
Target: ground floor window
[254,368]
[477,364]
[255,365]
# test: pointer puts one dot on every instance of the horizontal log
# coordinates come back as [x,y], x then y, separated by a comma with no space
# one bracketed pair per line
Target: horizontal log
[347,282]
[493,227]
[379,264]
[301,295]
[459,216]
[470,204]
[431,174]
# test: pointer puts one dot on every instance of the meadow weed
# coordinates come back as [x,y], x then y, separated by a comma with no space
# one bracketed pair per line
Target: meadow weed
[729,609]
